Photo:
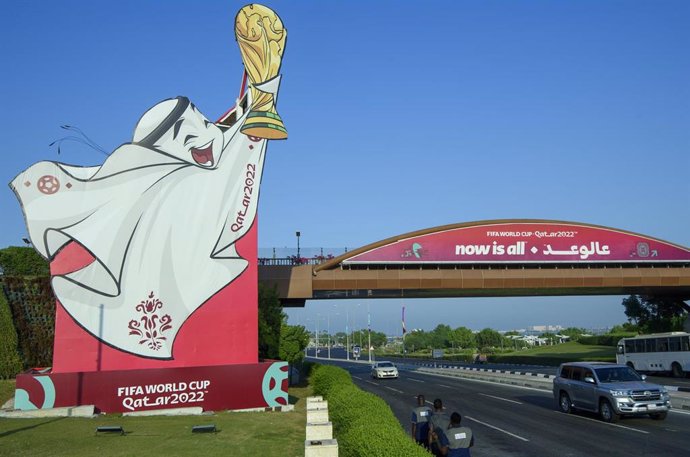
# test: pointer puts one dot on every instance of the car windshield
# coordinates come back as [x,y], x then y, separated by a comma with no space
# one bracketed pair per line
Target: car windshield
[385,365]
[617,374]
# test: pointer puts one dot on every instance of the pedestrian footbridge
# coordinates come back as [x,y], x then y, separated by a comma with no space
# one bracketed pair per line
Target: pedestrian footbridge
[492,258]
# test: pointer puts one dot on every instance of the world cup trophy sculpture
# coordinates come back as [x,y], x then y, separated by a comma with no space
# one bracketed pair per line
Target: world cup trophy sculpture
[261,37]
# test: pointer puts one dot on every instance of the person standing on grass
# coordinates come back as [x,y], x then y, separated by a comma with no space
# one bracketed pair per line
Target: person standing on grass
[420,422]
[457,440]
[438,423]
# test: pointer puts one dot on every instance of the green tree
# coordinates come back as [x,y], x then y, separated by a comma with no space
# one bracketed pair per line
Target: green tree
[293,340]
[625,327]
[378,339]
[573,332]
[340,338]
[489,338]
[550,337]
[656,313]
[23,261]
[462,337]
[416,340]
[441,336]
[270,320]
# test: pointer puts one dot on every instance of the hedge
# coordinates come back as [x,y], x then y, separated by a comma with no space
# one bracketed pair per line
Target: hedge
[553,361]
[363,423]
[605,340]
[10,362]
[23,261]
[32,304]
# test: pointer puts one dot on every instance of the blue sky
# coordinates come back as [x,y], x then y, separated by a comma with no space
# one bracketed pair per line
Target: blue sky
[401,116]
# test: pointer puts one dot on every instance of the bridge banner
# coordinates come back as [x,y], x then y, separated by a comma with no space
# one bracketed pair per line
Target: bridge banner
[524,242]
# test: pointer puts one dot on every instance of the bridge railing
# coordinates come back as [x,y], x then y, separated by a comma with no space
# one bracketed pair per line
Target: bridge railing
[293,261]
[292,257]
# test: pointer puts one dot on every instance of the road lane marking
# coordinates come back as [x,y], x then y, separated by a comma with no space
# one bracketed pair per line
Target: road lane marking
[679,412]
[605,423]
[394,390]
[496,428]
[357,378]
[500,398]
[443,385]
[415,380]
[371,382]
[459,378]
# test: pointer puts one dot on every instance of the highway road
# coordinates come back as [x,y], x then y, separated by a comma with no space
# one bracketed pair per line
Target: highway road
[519,421]
[664,380]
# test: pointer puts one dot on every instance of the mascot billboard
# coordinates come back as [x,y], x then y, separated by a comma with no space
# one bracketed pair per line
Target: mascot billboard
[153,253]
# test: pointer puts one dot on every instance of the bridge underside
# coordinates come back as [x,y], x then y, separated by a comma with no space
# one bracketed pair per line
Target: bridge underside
[296,284]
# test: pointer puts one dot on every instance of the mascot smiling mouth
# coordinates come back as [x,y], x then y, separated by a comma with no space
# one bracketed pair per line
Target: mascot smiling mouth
[203,155]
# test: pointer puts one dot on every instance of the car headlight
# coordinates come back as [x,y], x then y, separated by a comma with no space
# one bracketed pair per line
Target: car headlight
[620,393]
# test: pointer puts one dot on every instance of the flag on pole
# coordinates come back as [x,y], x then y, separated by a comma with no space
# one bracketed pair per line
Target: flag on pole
[404,330]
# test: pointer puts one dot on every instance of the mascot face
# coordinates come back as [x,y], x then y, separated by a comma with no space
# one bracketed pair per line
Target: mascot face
[176,128]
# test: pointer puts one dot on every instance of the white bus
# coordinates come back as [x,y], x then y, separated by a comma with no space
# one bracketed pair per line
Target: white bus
[669,352]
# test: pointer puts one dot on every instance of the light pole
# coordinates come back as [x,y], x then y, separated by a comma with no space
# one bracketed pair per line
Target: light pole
[316,351]
[298,256]
[328,323]
[369,332]
[347,335]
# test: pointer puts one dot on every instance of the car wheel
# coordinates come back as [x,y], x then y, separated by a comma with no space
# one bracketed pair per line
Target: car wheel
[677,370]
[564,403]
[658,416]
[608,414]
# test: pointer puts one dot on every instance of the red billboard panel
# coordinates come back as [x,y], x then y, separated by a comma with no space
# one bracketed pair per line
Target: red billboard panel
[524,242]
[212,388]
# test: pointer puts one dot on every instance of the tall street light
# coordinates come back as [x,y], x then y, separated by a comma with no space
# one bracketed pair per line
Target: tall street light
[298,256]
[369,332]
[347,334]
[328,323]
[316,352]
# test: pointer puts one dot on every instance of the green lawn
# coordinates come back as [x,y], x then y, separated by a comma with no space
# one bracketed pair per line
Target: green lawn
[553,355]
[241,434]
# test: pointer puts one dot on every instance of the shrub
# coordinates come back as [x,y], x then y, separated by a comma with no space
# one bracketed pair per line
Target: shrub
[325,377]
[363,423]
[23,261]
[10,362]
[604,340]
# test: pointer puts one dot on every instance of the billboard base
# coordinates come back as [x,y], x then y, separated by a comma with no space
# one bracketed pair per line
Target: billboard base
[213,388]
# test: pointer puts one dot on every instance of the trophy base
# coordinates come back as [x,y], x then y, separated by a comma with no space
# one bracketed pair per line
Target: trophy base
[264,124]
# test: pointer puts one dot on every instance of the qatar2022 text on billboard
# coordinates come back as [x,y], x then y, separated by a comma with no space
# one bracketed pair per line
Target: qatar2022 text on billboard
[523,242]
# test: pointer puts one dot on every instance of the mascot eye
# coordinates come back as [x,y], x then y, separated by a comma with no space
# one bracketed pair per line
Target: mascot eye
[189,138]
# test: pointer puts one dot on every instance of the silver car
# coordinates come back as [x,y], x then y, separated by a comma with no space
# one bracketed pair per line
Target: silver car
[608,389]
[382,370]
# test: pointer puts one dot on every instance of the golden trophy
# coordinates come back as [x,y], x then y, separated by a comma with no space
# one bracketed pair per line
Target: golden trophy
[261,36]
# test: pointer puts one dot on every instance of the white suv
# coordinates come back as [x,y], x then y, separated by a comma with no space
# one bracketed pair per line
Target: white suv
[608,389]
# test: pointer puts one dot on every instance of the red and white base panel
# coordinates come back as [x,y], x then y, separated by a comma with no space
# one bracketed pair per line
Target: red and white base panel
[213,388]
